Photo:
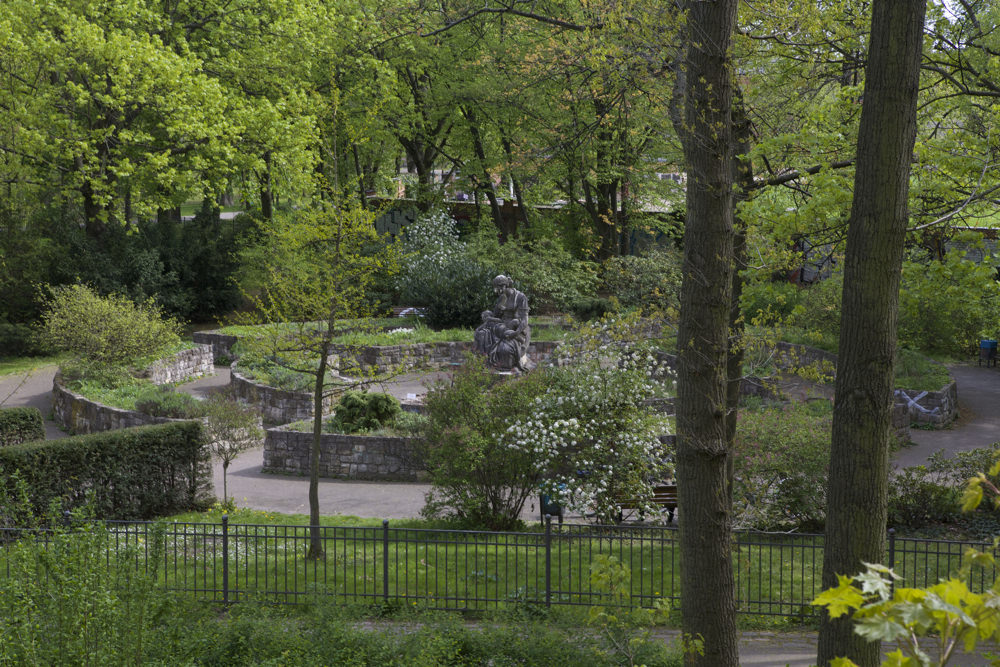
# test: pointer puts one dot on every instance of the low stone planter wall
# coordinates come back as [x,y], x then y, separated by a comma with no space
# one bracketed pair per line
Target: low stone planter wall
[361,457]
[80,415]
[185,365]
[277,406]
[930,407]
[423,356]
[222,344]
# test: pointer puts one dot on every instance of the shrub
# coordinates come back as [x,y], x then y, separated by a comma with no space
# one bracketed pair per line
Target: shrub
[946,306]
[107,330]
[452,294]
[650,281]
[20,340]
[130,473]
[163,401]
[476,479]
[19,425]
[781,465]
[439,275]
[767,303]
[928,495]
[593,436]
[73,598]
[546,272]
[590,308]
[360,411]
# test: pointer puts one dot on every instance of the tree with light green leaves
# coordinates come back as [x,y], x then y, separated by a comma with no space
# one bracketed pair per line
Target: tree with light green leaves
[316,265]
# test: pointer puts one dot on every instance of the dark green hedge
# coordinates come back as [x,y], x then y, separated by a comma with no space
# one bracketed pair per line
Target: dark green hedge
[19,425]
[134,473]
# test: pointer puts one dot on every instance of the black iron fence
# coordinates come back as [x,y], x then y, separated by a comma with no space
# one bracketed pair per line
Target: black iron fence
[775,573]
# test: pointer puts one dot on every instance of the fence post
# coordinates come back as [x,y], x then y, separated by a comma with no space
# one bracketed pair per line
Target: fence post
[548,560]
[225,559]
[892,557]
[385,560]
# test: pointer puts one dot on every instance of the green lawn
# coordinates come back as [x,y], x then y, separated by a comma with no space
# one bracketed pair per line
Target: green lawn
[20,365]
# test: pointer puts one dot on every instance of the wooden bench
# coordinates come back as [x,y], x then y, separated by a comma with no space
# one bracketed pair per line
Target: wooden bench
[664,495]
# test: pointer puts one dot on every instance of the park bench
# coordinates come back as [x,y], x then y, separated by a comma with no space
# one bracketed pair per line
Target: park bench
[664,495]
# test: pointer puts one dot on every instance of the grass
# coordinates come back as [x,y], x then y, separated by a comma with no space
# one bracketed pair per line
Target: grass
[21,365]
[775,574]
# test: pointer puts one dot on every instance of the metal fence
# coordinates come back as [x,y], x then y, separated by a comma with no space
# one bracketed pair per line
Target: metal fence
[775,573]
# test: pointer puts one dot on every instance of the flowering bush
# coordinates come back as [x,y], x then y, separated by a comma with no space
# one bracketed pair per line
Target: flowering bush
[593,435]
[439,274]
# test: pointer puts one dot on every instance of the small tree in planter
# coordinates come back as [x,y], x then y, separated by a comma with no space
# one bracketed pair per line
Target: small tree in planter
[231,428]
[313,268]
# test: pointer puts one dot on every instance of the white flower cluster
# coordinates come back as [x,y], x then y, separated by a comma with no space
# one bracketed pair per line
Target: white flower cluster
[591,436]
[429,245]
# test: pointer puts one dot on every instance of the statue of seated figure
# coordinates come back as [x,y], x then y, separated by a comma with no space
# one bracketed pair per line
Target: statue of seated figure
[504,334]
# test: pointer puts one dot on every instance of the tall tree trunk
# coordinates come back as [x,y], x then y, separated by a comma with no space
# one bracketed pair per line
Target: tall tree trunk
[487,186]
[708,605]
[266,193]
[315,534]
[859,455]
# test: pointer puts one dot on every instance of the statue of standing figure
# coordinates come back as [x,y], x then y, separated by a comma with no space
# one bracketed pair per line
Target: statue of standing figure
[504,334]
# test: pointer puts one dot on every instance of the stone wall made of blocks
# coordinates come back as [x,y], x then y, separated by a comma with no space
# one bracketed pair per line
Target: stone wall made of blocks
[185,365]
[381,359]
[277,406]
[222,344]
[359,457]
[930,407]
[80,415]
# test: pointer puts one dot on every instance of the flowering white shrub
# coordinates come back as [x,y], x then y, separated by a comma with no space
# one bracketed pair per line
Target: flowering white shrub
[594,433]
[440,275]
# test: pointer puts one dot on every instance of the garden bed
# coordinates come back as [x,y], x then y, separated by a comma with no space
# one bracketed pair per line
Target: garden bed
[383,359]
[277,406]
[360,457]
[79,415]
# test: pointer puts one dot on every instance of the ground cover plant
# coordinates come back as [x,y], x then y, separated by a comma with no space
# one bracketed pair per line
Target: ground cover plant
[780,467]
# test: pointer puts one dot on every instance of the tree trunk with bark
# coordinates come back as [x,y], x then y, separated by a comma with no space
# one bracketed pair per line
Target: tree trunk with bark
[859,455]
[703,449]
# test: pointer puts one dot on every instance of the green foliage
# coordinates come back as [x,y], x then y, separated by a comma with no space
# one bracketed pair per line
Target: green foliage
[164,401]
[107,330]
[19,425]
[546,272]
[950,615]
[453,295]
[476,479]
[626,629]
[230,429]
[650,281]
[916,372]
[946,306]
[782,456]
[128,473]
[930,496]
[358,411]
[65,601]
[20,340]
[590,308]
[440,275]
[767,303]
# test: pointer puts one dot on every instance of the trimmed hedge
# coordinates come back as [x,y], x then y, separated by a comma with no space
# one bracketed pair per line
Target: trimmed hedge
[133,473]
[19,425]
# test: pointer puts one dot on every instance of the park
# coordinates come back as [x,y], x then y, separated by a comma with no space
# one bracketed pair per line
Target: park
[524,333]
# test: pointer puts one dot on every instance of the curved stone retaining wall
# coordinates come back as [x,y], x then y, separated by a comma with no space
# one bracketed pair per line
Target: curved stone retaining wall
[362,457]
[222,344]
[80,415]
[424,356]
[277,406]
[183,366]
